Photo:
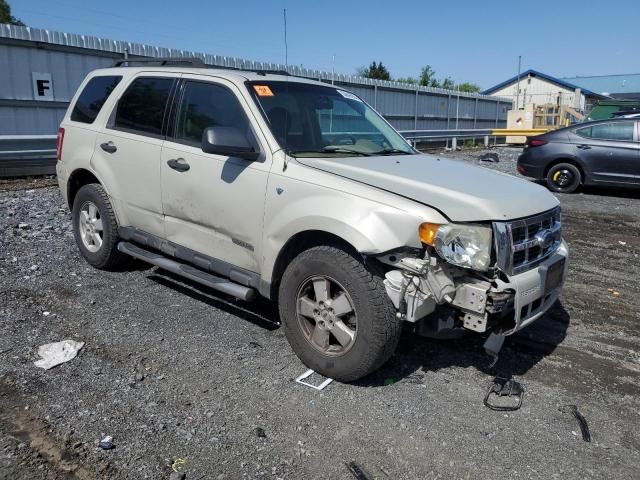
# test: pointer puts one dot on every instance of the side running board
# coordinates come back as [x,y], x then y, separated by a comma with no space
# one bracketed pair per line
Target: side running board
[187,271]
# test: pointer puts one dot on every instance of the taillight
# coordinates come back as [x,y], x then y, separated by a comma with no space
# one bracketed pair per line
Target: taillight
[536,142]
[59,143]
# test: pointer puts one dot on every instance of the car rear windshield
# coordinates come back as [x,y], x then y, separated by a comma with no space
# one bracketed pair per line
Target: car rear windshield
[92,98]
[315,120]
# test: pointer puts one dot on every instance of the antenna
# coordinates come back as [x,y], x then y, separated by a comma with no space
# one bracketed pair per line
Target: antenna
[286,49]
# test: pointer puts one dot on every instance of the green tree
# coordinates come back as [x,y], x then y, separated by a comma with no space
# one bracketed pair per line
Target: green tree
[410,80]
[448,84]
[5,15]
[468,87]
[376,70]
[428,77]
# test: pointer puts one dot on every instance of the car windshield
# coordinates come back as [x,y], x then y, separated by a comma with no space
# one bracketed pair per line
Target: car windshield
[317,121]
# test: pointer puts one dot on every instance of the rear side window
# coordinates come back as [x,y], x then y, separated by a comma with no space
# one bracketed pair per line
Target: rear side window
[621,131]
[92,98]
[142,106]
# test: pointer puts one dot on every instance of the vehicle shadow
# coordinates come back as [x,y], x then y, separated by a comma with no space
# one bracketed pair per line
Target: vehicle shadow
[416,355]
[260,312]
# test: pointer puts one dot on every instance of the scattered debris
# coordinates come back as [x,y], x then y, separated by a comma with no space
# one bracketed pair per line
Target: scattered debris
[56,353]
[307,374]
[178,464]
[106,443]
[259,432]
[358,472]
[384,470]
[621,242]
[584,426]
[613,292]
[389,381]
[504,387]
[23,226]
[177,476]
[255,344]
[489,157]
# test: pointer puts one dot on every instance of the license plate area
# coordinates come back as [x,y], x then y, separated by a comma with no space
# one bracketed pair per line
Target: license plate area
[553,278]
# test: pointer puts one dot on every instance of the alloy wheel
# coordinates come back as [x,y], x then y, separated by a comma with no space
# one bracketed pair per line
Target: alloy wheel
[90,227]
[326,315]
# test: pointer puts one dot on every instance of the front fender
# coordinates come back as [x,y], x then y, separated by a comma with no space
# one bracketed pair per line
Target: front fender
[368,225]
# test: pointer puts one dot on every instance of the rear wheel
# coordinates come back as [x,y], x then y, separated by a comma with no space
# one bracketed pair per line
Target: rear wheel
[336,314]
[564,178]
[95,227]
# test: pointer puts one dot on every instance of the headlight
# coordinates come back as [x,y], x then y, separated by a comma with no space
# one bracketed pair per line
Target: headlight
[467,246]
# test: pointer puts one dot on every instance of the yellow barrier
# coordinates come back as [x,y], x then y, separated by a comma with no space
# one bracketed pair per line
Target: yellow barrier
[503,132]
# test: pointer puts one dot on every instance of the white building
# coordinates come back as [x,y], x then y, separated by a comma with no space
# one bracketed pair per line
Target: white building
[533,87]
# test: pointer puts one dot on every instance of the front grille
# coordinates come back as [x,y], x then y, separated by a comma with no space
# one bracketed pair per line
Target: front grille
[523,244]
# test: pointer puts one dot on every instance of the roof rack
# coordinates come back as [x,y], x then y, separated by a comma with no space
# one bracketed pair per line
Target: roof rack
[191,62]
[162,62]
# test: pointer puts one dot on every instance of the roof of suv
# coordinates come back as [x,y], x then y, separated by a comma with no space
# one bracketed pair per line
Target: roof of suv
[240,76]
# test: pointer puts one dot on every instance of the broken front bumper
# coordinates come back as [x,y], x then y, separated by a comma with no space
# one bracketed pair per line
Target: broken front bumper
[535,290]
[502,305]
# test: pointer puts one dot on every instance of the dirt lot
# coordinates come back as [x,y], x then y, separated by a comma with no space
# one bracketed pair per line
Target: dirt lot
[180,375]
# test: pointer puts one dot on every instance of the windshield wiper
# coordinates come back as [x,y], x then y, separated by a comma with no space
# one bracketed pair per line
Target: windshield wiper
[391,151]
[331,149]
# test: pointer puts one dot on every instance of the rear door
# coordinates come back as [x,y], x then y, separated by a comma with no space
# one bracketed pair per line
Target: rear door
[128,151]
[610,150]
[213,204]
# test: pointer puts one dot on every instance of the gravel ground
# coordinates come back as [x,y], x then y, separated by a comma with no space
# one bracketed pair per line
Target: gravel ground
[182,376]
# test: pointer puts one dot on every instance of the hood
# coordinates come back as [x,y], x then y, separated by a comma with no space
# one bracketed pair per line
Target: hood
[460,190]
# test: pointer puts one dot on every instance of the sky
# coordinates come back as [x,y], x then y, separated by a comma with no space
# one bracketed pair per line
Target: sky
[467,40]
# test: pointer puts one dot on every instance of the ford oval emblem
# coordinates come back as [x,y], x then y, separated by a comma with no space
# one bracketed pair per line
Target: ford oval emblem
[544,238]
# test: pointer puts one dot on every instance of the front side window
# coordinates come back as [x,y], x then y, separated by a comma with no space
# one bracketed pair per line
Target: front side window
[207,105]
[142,106]
[621,131]
[315,120]
[92,98]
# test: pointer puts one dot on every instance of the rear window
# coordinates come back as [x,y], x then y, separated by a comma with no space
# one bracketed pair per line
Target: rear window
[621,131]
[92,98]
[142,106]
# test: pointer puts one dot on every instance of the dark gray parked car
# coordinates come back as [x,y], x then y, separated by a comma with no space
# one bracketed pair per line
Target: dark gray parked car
[604,152]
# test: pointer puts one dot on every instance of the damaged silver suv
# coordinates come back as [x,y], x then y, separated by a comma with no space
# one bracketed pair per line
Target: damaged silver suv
[253,183]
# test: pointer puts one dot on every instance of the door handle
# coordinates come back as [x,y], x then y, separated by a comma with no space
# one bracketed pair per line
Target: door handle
[583,147]
[108,147]
[178,164]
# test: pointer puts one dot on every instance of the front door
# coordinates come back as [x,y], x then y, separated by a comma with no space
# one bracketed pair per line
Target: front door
[213,204]
[611,151]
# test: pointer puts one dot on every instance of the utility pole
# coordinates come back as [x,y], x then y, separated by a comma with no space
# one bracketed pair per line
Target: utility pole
[333,69]
[518,85]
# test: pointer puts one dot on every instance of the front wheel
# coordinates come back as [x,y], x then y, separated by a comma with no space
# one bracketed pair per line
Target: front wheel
[564,178]
[336,313]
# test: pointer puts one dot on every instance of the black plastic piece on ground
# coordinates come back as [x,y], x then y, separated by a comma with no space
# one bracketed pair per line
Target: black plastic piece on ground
[584,426]
[358,472]
[489,157]
[504,387]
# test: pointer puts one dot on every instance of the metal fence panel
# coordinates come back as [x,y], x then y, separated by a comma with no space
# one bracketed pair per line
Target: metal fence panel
[69,57]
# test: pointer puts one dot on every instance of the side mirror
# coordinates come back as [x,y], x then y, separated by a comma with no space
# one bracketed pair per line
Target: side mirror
[229,141]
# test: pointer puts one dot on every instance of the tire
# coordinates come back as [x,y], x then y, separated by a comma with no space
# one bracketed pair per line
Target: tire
[375,329]
[564,178]
[101,254]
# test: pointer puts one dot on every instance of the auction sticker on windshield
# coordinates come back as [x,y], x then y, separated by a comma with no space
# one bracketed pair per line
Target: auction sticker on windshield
[349,95]
[263,90]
